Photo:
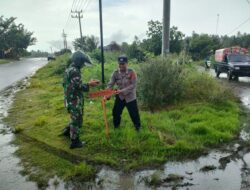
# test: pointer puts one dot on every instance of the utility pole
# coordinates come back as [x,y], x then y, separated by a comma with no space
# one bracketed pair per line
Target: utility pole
[101,36]
[217,23]
[64,40]
[78,14]
[166,27]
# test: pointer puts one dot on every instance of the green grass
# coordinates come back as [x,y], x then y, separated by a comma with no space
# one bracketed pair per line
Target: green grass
[180,132]
[4,61]
[40,165]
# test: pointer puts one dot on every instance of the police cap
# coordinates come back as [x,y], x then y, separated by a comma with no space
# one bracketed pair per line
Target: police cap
[122,59]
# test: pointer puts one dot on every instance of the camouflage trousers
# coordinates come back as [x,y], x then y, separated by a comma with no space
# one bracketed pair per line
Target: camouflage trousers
[76,115]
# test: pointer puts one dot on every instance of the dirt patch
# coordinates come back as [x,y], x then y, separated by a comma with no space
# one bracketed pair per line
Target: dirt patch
[208,168]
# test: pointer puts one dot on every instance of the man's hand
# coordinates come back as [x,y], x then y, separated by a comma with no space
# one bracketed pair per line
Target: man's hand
[106,97]
[93,83]
[118,91]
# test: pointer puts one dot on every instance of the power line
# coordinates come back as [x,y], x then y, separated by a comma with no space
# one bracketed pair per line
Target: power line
[86,5]
[74,3]
[78,14]
[77,8]
[69,16]
[80,5]
[239,26]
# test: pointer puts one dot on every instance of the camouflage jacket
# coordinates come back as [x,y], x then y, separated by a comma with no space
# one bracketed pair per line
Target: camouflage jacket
[73,88]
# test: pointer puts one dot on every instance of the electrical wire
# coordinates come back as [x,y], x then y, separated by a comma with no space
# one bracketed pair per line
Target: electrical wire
[236,28]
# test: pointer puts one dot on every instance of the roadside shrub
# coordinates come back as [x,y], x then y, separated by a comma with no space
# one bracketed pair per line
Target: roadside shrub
[109,56]
[64,61]
[160,83]
[96,55]
[202,87]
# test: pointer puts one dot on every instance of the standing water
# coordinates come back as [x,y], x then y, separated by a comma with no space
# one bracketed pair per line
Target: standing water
[10,74]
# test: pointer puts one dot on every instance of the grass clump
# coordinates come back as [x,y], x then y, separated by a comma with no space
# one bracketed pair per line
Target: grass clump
[4,61]
[41,165]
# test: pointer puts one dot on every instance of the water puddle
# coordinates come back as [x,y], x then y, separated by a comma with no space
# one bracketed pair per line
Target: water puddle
[9,163]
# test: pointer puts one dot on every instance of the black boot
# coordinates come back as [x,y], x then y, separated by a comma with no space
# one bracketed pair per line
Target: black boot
[76,143]
[66,131]
[138,128]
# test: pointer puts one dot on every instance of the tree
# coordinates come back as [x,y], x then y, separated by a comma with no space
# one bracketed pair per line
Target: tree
[201,45]
[124,47]
[114,46]
[176,40]
[14,38]
[134,50]
[154,41]
[87,43]
[242,40]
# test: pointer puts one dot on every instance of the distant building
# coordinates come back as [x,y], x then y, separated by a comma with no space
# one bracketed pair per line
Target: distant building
[113,46]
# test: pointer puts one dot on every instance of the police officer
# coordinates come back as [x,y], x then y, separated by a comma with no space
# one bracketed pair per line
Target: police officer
[125,78]
[73,96]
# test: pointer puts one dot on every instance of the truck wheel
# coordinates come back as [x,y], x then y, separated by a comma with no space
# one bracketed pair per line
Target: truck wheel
[236,78]
[229,75]
[217,72]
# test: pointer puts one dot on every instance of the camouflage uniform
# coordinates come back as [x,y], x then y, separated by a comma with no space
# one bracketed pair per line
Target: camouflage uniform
[73,98]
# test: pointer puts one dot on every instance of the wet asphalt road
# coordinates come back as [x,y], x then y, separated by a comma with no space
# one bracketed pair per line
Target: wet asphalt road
[15,71]
[10,178]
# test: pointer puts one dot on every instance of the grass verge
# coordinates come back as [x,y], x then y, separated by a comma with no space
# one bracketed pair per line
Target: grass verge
[4,61]
[182,131]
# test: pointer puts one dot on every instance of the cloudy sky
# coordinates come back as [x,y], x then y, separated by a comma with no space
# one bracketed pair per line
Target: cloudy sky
[123,19]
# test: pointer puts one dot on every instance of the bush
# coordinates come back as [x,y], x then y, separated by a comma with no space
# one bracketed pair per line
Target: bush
[63,61]
[96,55]
[202,87]
[160,83]
[109,56]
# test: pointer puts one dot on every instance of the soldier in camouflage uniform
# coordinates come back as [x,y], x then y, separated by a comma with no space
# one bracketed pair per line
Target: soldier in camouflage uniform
[73,96]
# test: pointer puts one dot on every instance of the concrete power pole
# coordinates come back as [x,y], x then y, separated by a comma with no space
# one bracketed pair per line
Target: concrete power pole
[64,40]
[101,36]
[166,27]
[217,24]
[78,14]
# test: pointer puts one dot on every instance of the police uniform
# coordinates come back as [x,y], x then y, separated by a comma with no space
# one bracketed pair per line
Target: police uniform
[126,83]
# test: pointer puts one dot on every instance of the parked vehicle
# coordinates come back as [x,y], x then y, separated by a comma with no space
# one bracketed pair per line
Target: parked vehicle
[51,57]
[234,61]
[207,64]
